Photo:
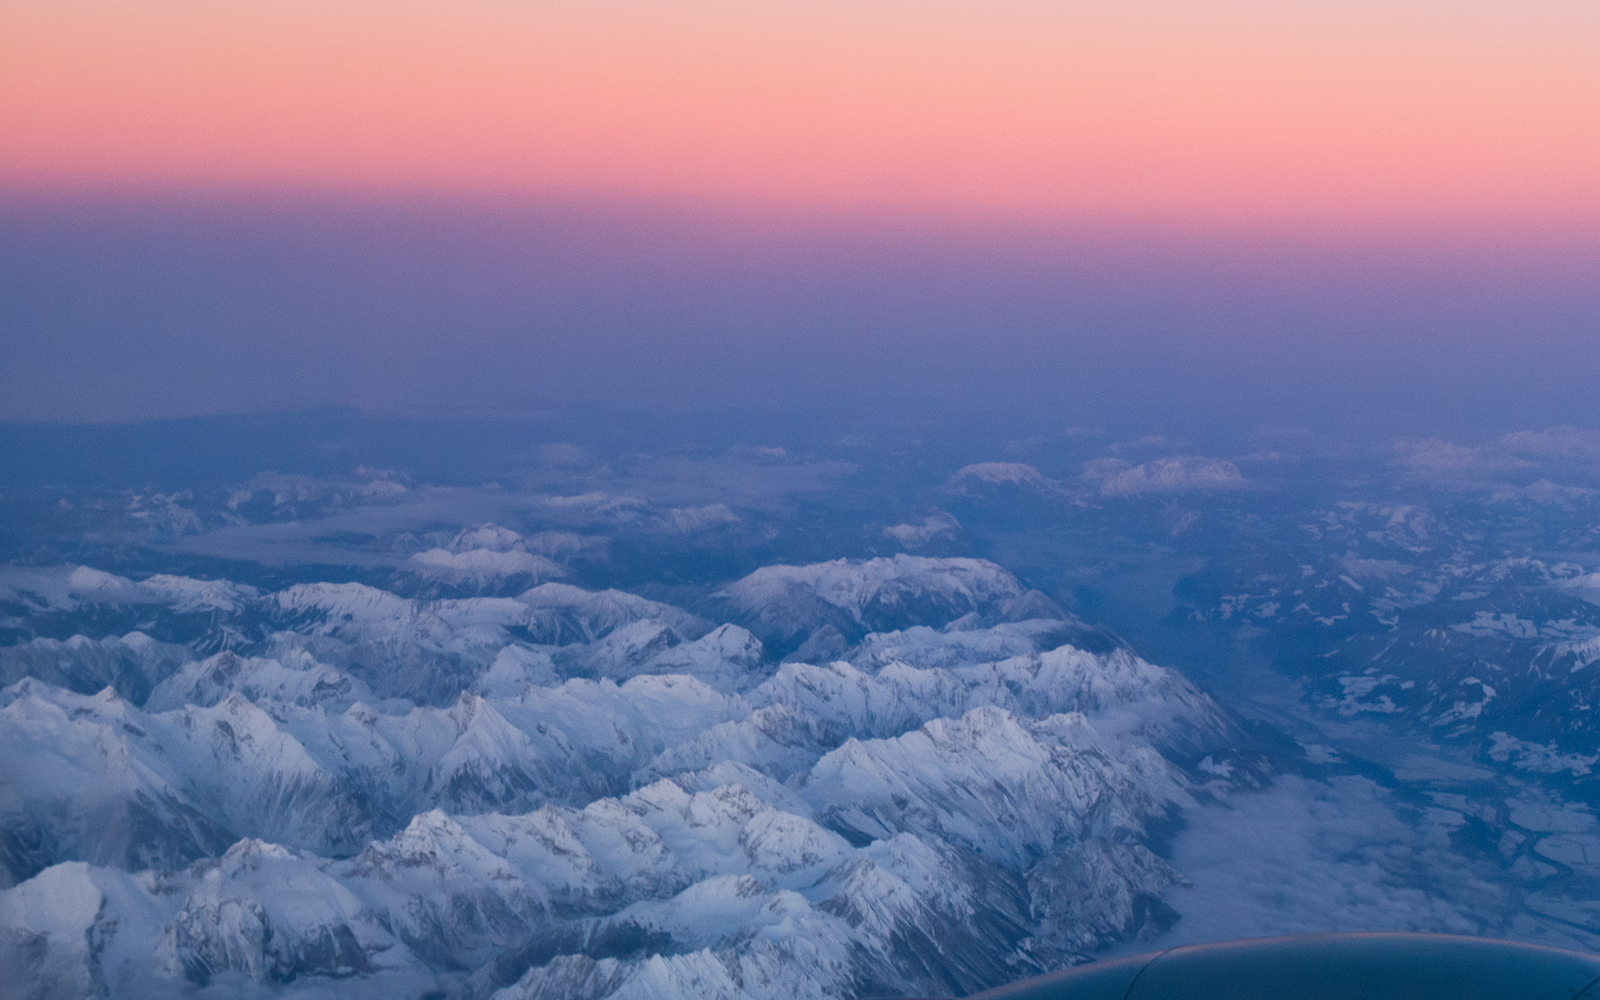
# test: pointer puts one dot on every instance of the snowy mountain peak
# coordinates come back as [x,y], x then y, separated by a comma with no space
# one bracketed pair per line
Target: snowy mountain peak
[575,789]
[788,605]
[986,780]
[488,537]
[855,586]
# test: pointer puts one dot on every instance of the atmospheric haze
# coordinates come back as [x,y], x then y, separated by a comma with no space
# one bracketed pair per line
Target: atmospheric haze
[136,308]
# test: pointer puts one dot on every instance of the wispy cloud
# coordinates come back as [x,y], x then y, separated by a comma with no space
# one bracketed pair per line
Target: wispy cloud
[1437,459]
[1015,473]
[1163,475]
[1553,454]
[913,536]
[686,520]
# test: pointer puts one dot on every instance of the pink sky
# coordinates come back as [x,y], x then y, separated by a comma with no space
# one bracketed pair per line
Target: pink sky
[1309,110]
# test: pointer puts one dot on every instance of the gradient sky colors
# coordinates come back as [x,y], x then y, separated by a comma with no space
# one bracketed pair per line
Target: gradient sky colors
[1169,214]
[1354,111]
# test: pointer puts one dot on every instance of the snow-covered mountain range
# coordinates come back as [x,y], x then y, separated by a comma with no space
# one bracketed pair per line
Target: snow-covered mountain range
[614,717]
[565,792]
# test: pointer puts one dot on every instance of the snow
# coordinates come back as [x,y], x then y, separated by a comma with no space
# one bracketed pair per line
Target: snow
[65,588]
[425,786]
[571,614]
[188,596]
[921,646]
[778,593]
[937,525]
[481,565]
[687,520]
[62,900]
[488,537]
[300,681]
[987,781]
[727,658]
[999,472]
[131,664]
[1164,475]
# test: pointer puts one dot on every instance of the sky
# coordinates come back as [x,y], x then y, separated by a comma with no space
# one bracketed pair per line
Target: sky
[1237,210]
[1235,108]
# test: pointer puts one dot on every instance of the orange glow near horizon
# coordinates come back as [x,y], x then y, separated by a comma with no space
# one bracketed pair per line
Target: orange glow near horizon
[1152,109]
